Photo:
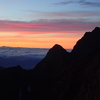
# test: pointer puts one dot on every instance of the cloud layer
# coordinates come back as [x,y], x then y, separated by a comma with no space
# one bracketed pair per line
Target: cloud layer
[81,2]
[55,25]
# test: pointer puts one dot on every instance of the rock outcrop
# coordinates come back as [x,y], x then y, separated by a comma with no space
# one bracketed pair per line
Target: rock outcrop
[89,41]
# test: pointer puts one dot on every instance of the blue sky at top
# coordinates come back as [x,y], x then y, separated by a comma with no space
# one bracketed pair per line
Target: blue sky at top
[27,10]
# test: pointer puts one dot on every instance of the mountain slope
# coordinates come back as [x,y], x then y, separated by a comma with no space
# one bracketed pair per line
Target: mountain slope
[89,41]
[67,83]
[49,67]
[78,79]
[13,80]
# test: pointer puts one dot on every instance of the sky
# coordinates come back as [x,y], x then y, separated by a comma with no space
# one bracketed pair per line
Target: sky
[43,23]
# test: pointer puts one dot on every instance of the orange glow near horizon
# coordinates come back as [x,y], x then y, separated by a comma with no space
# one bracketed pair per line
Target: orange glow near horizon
[37,41]
[42,33]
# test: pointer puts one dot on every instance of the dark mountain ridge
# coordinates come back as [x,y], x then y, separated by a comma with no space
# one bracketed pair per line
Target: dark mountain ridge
[59,76]
[50,66]
[89,41]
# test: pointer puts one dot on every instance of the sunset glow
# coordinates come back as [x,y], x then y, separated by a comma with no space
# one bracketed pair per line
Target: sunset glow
[23,23]
[36,41]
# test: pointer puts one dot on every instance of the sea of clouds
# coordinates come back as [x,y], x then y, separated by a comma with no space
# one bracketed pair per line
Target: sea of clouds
[27,58]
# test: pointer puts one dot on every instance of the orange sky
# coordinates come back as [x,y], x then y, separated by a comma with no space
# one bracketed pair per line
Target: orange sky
[42,33]
[39,41]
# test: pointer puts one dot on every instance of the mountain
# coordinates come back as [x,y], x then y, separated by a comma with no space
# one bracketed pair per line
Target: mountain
[53,63]
[56,54]
[80,81]
[59,76]
[89,41]
[13,82]
[65,84]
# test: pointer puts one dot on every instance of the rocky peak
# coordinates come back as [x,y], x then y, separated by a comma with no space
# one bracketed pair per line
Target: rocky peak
[56,52]
[57,46]
[89,41]
[96,30]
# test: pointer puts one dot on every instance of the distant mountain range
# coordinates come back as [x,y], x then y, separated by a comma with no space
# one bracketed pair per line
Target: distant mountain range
[59,76]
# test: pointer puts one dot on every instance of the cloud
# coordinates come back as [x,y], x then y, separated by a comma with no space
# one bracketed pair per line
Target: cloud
[86,15]
[81,2]
[63,3]
[89,3]
[72,14]
[47,26]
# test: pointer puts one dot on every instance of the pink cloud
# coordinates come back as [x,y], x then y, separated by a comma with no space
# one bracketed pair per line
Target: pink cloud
[47,26]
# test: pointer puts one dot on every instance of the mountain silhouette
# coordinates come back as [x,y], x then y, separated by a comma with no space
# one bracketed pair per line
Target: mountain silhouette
[89,41]
[59,76]
[49,67]
[77,80]
[64,71]
[56,54]
[13,81]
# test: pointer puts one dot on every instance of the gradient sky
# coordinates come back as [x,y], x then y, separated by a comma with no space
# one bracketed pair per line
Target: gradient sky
[43,23]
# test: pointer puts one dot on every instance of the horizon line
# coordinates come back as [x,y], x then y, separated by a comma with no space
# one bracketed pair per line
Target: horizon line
[30,47]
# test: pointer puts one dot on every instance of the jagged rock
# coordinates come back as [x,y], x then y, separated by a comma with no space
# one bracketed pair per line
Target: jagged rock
[89,41]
